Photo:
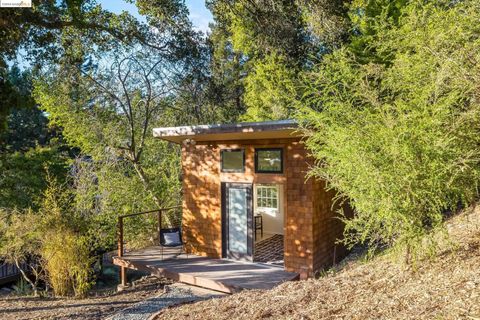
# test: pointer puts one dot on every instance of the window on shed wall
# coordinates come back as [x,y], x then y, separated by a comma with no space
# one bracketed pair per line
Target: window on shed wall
[233,160]
[267,197]
[269,160]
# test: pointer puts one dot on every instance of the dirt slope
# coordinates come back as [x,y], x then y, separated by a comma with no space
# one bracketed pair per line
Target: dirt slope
[445,288]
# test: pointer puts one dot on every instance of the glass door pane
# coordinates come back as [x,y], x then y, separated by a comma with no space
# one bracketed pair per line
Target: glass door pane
[237,220]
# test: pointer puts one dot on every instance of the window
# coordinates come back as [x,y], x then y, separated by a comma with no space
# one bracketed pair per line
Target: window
[233,160]
[267,197]
[269,160]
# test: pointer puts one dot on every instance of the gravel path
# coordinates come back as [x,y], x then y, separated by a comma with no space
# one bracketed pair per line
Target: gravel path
[97,306]
[174,295]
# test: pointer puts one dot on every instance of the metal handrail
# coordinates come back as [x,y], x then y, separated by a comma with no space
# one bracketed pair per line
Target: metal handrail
[120,223]
[151,211]
[123,271]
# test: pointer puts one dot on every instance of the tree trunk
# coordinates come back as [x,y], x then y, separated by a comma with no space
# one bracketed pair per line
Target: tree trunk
[30,282]
[146,185]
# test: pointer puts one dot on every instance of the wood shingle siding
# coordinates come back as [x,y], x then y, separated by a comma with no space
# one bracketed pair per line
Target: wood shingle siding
[310,226]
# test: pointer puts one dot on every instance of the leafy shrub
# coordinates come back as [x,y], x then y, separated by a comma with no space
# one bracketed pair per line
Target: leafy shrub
[68,263]
[50,244]
[66,250]
[20,242]
[22,287]
[398,132]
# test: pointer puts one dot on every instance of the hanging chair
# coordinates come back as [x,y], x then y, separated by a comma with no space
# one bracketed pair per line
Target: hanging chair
[171,237]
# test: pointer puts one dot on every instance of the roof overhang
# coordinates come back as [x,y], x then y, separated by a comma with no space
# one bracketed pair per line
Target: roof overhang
[237,131]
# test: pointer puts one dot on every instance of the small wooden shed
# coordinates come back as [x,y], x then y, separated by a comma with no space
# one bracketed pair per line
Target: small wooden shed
[246,196]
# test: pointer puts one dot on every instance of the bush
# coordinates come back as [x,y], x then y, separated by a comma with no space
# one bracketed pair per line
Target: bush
[398,132]
[66,249]
[48,245]
[20,242]
[68,263]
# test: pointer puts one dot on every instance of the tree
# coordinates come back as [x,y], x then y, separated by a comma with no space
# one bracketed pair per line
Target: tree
[107,95]
[249,34]
[27,147]
[51,30]
[329,21]
[109,114]
[20,244]
[397,130]
[261,46]
[45,30]
[23,176]
[271,90]
[15,94]
[40,31]
[226,69]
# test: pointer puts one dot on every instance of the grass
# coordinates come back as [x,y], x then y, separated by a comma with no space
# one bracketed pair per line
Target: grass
[445,287]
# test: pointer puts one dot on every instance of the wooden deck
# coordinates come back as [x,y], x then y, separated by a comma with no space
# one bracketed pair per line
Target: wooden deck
[216,274]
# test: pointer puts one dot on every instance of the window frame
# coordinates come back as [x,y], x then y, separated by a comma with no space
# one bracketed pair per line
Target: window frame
[275,187]
[257,170]
[232,170]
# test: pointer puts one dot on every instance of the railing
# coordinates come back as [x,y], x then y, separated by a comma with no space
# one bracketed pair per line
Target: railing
[159,212]
[121,218]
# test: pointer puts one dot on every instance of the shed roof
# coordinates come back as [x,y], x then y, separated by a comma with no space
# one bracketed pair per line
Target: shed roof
[236,131]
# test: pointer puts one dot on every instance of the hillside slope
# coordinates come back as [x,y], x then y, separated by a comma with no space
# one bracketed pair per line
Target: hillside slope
[446,288]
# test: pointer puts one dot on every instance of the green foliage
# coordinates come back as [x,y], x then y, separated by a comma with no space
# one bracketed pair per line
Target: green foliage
[27,147]
[67,262]
[19,235]
[68,248]
[20,241]
[14,94]
[249,39]
[328,20]
[52,29]
[102,191]
[26,128]
[286,38]
[271,89]
[399,136]
[22,287]
[226,68]
[57,244]
[54,241]
[126,169]
[105,113]
[66,251]
[48,31]
[23,175]
[264,27]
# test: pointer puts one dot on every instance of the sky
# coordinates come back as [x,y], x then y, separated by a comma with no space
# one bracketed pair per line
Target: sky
[199,14]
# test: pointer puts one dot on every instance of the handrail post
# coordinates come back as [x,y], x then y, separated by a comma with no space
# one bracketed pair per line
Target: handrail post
[123,270]
[159,218]
[120,236]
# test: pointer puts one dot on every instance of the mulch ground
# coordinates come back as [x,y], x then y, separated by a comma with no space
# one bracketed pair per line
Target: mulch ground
[94,307]
[447,287]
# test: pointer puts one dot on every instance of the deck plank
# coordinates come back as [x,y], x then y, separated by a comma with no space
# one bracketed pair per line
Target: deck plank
[215,274]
